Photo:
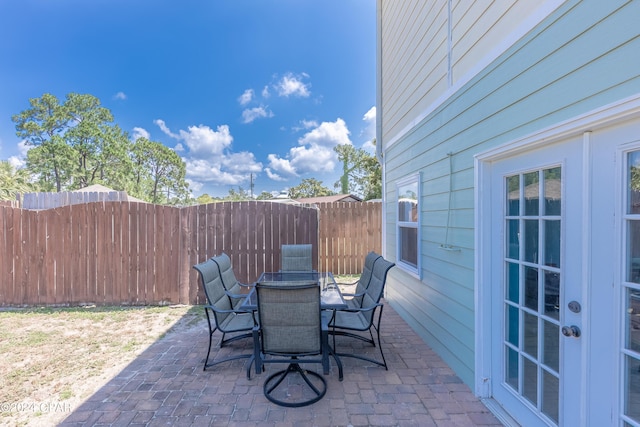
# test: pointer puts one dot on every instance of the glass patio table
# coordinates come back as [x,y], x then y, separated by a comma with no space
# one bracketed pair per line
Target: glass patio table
[330,295]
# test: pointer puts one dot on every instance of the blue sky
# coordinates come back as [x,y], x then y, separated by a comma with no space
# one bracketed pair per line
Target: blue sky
[237,87]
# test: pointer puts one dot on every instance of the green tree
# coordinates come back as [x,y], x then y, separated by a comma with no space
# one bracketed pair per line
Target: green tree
[309,187]
[43,125]
[361,172]
[158,173]
[75,143]
[13,181]
[237,196]
[265,195]
[204,199]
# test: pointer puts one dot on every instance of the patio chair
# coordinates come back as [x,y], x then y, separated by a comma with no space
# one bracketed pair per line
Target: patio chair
[348,322]
[363,282]
[220,312]
[233,287]
[297,257]
[290,330]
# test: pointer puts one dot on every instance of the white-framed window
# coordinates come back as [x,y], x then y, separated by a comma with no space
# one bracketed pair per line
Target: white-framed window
[408,224]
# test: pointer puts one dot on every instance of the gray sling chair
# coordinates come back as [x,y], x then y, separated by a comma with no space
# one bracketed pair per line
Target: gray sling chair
[348,321]
[290,329]
[297,257]
[220,312]
[229,281]
[363,282]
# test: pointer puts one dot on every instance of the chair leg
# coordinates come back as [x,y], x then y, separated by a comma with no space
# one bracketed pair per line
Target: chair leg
[278,377]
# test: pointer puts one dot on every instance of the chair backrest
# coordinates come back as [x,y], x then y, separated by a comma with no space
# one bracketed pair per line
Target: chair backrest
[375,289]
[213,288]
[289,319]
[227,275]
[367,271]
[297,257]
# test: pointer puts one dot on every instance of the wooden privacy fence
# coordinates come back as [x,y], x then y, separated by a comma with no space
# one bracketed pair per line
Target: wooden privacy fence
[135,253]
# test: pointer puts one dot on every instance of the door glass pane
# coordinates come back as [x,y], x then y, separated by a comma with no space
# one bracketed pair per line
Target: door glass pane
[633,177]
[530,334]
[552,192]
[513,282]
[531,288]
[633,259]
[531,240]
[532,293]
[632,324]
[552,294]
[551,343]
[552,243]
[550,390]
[530,380]
[632,388]
[512,325]
[531,194]
[513,195]
[511,371]
[513,238]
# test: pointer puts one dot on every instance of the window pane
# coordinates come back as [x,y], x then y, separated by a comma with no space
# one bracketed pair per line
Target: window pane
[408,202]
[513,195]
[552,191]
[633,193]
[409,245]
[531,194]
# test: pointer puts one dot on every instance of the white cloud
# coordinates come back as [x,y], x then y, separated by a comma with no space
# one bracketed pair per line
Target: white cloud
[251,114]
[292,85]
[242,162]
[369,132]
[121,96]
[314,152]
[273,176]
[140,133]
[265,92]
[246,97]
[327,134]
[204,141]
[163,127]
[204,171]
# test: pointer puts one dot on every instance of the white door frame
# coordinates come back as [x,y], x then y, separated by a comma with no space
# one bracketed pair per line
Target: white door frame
[581,125]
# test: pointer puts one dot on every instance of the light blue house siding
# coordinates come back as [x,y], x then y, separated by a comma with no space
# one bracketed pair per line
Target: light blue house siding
[585,55]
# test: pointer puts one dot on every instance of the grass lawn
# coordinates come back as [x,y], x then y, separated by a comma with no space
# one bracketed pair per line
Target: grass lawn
[53,359]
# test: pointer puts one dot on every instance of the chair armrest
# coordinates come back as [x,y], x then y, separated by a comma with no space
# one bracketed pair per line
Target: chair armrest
[347,283]
[346,294]
[237,296]
[362,309]
[232,311]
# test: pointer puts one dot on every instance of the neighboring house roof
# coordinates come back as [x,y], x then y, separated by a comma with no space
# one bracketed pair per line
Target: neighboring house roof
[331,199]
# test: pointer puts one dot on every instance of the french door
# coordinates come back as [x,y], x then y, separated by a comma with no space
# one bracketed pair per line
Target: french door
[562,229]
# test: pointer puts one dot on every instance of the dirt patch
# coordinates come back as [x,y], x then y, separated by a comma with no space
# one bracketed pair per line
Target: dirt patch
[54,359]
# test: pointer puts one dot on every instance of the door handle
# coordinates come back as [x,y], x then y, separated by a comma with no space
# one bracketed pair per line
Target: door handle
[571,331]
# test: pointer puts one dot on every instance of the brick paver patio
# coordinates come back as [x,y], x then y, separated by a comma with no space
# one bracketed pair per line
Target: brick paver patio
[167,386]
